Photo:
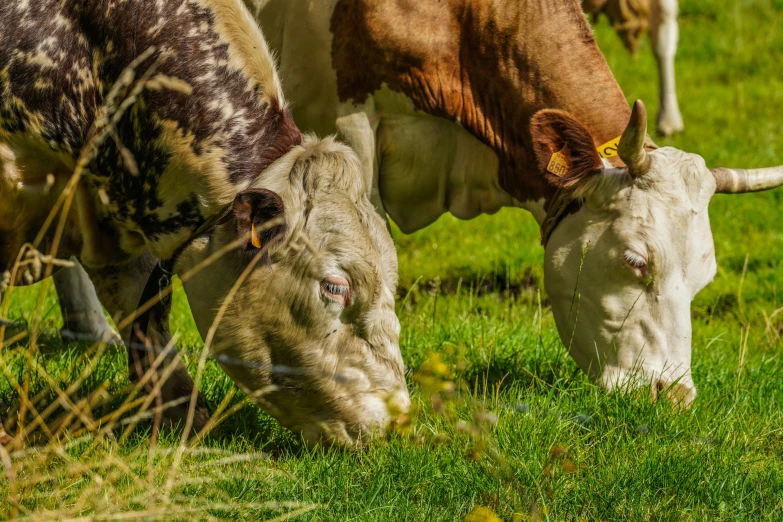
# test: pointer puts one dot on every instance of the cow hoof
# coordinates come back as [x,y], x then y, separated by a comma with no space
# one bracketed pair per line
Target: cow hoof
[89,334]
[5,439]
[668,126]
[176,417]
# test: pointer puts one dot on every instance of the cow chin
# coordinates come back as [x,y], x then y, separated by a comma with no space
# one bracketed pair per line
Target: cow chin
[626,357]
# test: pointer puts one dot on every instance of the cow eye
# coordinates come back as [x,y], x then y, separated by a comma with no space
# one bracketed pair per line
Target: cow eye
[635,260]
[337,290]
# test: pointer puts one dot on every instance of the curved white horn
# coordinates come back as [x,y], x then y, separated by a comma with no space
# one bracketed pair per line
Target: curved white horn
[737,181]
[631,149]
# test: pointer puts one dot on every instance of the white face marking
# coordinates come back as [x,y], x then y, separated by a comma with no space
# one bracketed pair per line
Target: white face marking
[622,271]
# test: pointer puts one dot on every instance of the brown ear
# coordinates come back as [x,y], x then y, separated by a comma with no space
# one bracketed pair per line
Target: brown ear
[260,217]
[558,132]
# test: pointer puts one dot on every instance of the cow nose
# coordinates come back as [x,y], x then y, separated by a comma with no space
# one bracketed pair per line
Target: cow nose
[398,403]
[370,416]
[678,393]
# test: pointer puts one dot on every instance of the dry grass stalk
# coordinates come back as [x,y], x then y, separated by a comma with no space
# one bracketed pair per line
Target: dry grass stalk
[84,478]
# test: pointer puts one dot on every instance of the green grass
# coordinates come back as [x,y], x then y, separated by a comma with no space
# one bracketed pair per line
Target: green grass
[561,449]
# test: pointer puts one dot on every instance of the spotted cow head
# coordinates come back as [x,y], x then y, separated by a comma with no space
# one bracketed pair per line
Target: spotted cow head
[622,270]
[308,327]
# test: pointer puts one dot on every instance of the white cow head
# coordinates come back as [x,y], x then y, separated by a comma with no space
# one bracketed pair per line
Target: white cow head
[622,270]
[311,333]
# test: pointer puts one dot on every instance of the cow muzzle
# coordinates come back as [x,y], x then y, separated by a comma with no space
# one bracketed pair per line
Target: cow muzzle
[368,417]
[679,389]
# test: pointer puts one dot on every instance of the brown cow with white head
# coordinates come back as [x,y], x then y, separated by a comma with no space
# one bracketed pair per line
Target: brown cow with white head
[294,251]
[467,106]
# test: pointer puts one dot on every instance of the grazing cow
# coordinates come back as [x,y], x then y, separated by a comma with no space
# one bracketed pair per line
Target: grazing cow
[467,106]
[631,18]
[221,176]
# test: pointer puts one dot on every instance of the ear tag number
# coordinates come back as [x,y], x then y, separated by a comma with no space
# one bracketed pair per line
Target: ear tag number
[609,149]
[254,239]
[560,162]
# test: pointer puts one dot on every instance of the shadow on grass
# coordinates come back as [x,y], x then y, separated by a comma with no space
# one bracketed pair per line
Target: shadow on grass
[104,390]
[502,284]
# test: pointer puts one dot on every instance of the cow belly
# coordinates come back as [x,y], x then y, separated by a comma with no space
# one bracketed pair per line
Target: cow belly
[32,178]
[30,181]
[430,166]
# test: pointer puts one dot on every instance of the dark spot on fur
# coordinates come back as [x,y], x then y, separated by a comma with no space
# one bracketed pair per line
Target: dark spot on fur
[104,37]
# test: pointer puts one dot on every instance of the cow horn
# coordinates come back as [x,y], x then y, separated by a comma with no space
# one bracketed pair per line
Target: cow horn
[631,149]
[737,181]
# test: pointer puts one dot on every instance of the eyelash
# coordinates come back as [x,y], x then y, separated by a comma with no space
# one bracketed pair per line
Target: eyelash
[337,289]
[336,293]
[635,260]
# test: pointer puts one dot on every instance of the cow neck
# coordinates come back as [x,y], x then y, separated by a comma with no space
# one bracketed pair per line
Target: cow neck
[155,302]
[489,65]
[545,57]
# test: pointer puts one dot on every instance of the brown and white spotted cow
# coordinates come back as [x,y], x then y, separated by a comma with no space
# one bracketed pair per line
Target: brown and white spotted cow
[631,19]
[460,106]
[312,328]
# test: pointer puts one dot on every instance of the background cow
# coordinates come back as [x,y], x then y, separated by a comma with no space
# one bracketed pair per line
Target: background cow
[631,18]
[218,177]
[460,106]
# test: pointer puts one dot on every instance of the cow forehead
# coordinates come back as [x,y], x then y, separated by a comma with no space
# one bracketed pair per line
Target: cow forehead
[664,213]
[354,235]
[667,213]
[678,186]
[681,176]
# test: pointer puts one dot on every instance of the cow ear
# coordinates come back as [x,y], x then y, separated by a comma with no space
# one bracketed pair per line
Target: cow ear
[564,148]
[260,217]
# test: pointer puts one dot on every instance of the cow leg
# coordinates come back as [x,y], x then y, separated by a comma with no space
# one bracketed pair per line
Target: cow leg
[664,33]
[83,316]
[356,132]
[119,289]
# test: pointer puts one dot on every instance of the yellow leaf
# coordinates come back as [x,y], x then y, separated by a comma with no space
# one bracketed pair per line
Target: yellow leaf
[482,514]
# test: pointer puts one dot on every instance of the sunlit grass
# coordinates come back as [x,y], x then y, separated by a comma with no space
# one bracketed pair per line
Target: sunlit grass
[546,444]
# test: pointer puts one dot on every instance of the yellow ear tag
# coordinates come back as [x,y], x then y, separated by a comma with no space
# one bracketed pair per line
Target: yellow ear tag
[254,239]
[609,149]
[560,162]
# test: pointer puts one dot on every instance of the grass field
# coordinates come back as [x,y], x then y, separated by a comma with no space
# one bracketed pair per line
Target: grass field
[525,435]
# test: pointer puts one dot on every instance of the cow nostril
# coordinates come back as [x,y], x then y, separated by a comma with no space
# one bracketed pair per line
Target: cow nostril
[679,394]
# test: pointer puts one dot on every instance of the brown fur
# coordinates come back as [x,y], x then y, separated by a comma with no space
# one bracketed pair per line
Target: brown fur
[491,65]
[281,134]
